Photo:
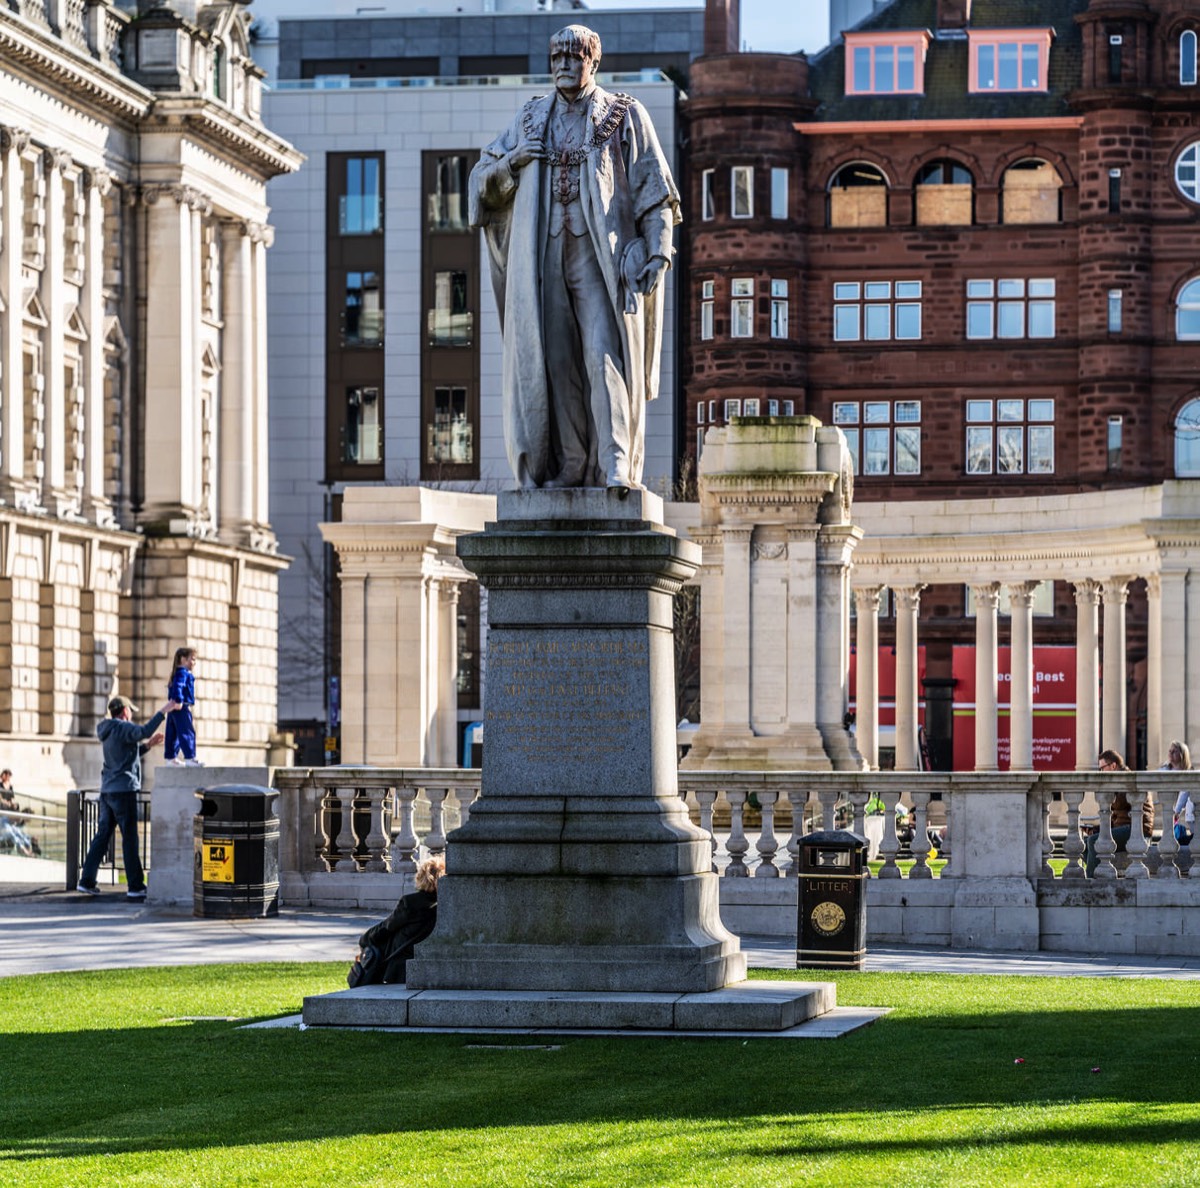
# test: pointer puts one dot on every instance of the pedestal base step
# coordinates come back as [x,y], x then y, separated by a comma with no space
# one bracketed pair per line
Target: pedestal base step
[760,1007]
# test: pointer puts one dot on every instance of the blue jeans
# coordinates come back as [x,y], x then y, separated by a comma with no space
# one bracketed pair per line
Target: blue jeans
[1120,835]
[118,810]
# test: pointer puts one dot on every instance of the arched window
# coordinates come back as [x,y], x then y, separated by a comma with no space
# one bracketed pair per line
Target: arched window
[1032,193]
[1187,441]
[1187,312]
[1187,58]
[218,71]
[858,196]
[945,194]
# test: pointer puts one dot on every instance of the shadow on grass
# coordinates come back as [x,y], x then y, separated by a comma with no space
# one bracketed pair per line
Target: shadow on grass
[205,1085]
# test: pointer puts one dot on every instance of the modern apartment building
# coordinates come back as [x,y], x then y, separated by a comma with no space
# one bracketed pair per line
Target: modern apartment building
[385,342]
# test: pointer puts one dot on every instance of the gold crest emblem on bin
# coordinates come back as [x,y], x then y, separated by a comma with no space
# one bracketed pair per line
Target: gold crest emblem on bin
[828,918]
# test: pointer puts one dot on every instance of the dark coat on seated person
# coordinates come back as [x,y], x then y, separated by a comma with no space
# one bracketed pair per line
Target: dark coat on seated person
[407,926]
[1122,814]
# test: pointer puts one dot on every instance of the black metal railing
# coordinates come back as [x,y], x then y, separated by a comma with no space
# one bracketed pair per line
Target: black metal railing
[83,817]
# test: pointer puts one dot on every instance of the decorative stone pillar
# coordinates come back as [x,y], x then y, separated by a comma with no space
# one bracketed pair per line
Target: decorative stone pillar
[261,238]
[97,183]
[735,548]
[447,710]
[238,376]
[55,497]
[866,695]
[1154,671]
[1087,673]
[1115,737]
[1175,599]
[834,550]
[1020,698]
[13,480]
[908,605]
[987,602]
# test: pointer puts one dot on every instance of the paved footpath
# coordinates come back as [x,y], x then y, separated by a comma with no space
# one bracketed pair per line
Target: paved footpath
[44,929]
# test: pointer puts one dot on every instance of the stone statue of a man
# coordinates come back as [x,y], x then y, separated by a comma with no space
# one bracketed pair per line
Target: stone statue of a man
[578,205]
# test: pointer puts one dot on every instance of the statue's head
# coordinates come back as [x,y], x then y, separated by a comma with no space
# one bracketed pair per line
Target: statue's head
[574,56]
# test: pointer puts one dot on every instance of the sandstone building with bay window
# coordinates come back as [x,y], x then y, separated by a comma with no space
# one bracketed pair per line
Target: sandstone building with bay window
[133,379]
[968,234]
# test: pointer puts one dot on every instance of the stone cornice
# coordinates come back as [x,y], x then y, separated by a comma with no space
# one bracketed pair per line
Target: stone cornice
[248,558]
[227,131]
[46,55]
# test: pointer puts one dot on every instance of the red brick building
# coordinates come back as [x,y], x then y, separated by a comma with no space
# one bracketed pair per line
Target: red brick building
[969,234]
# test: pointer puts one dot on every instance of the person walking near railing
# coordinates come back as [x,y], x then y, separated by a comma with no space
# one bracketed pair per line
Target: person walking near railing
[1120,817]
[1179,758]
[124,743]
[10,832]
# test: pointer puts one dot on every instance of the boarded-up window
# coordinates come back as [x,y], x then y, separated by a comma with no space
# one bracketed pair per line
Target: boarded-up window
[945,195]
[858,197]
[1031,193]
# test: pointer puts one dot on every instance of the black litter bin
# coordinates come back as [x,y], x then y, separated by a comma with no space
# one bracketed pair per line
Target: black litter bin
[832,929]
[236,857]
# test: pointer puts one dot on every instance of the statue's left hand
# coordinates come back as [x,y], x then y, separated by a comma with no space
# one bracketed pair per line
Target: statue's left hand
[651,274]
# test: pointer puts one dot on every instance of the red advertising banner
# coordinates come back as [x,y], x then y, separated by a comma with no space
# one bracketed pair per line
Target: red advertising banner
[1053,707]
[887,684]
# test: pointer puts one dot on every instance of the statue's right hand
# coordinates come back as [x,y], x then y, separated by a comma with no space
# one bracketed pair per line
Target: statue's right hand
[526,151]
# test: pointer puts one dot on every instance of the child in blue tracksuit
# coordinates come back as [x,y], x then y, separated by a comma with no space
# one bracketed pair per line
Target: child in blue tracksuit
[181,733]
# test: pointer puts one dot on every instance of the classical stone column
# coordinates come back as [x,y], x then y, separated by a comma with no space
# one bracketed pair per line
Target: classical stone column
[987,601]
[1087,672]
[835,545]
[236,455]
[1174,604]
[1116,593]
[736,585]
[1154,670]
[866,695]
[447,686]
[97,183]
[12,233]
[908,604]
[261,238]
[53,285]
[1020,698]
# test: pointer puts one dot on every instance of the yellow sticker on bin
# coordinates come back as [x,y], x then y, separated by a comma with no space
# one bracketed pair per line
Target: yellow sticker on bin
[217,865]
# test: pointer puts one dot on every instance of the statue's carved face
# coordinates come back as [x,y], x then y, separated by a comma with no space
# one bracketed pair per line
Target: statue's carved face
[572,69]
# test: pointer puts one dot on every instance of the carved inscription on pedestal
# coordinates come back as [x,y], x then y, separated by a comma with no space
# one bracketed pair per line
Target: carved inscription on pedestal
[565,699]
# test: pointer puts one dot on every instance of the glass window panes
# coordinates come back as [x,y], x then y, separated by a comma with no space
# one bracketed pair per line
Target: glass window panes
[733,408]
[1010,319]
[1010,449]
[877,290]
[1010,410]
[741,319]
[1010,288]
[986,67]
[876,412]
[779,193]
[845,413]
[1031,74]
[846,292]
[1040,410]
[1115,311]
[1187,58]
[707,204]
[447,203]
[878,322]
[1187,311]
[979,450]
[779,317]
[742,179]
[1041,288]
[742,287]
[876,451]
[845,323]
[451,435]
[980,288]
[908,411]
[772,408]
[908,289]
[979,319]
[363,439]
[706,320]
[706,288]
[789,408]
[852,444]
[979,410]
[450,321]
[1041,319]
[908,451]
[779,288]
[1187,440]
[700,413]
[906,68]
[1187,172]
[360,211]
[885,75]
[750,407]
[908,321]
[362,314]
[862,68]
[1041,449]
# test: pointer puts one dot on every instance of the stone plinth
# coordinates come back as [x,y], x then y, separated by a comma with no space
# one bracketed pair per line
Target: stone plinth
[579,869]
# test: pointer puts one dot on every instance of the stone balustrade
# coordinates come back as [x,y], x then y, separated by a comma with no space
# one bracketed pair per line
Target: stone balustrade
[1013,875]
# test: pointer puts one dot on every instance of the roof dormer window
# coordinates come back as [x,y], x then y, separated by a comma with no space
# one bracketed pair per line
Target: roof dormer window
[891,63]
[1009,60]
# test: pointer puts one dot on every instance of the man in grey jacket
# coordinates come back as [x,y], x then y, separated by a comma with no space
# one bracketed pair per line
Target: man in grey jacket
[124,743]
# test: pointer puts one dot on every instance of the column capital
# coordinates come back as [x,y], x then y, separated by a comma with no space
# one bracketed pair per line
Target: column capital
[1154,586]
[14,138]
[1087,592]
[1020,594]
[1116,589]
[908,598]
[986,594]
[98,179]
[867,598]
[57,158]
[183,195]
[737,534]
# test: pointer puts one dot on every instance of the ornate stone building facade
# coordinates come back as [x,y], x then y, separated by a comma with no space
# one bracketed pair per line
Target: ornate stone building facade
[133,419]
[966,233]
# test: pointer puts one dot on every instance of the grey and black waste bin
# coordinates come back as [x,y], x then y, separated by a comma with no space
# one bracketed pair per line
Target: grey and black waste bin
[236,837]
[832,929]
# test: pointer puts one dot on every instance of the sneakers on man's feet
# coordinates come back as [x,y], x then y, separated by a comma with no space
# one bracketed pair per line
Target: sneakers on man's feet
[192,763]
[84,889]
[137,896]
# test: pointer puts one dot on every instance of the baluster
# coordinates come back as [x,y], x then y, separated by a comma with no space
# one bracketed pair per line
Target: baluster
[768,843]
[828,801]
[946,849]
[1047,871]
[797,799]
[435,839]
[466,797]
[1073,845]
[342,802]
[1105,847]
[378,856]
[737,845]
[706,800]
[312,810]
[920,841]
[890,844]
[858,824]
[1137,845]
[1168,847]
[404,844]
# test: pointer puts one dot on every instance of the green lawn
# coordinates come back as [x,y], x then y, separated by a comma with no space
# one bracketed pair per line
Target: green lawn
[103,1081]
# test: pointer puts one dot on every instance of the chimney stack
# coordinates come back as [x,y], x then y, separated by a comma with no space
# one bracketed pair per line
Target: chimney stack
[953,14]
[722,27]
